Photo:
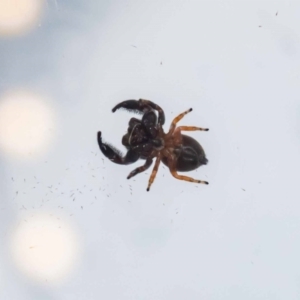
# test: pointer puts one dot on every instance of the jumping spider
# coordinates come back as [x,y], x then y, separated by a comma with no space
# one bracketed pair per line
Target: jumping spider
[146,139]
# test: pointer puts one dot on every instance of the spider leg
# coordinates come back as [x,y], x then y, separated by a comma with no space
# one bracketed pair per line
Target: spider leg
[190,128]
[161,114]
[114,155]
[154,171]
[141,169]
[185,178]
[176,120]
[173,170]
[141,106]
[177,131]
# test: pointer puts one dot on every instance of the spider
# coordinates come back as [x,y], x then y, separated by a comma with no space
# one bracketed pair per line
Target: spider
[146,139]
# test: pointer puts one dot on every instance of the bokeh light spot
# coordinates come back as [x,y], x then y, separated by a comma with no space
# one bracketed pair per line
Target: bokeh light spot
[27,124]
[45,248]
[18,16]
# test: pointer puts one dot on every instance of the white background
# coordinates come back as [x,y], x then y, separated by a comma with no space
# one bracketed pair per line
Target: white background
[237,64]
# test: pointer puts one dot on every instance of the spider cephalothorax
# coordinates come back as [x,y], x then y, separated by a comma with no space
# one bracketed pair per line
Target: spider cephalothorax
[145,139]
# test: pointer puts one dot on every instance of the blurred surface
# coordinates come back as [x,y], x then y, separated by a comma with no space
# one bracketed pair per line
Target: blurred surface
[72,226]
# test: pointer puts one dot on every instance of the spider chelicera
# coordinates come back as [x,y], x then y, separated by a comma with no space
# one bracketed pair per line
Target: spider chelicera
[146,139]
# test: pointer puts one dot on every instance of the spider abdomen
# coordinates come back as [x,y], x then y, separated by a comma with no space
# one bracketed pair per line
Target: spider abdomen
[190,155]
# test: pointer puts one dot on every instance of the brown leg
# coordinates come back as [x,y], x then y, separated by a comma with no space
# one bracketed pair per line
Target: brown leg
[176,120]
[141,169]
[186,178]
[154,171]
[191,128]
[177,132]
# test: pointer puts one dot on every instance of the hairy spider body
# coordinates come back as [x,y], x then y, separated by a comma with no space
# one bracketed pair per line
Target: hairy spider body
[146,139]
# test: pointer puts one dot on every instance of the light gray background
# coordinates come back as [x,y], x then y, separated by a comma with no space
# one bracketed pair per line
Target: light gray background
[237,64]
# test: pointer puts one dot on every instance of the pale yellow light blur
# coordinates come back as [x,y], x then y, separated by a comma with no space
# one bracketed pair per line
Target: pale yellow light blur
[45,249]
[27,124]
[19,16]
